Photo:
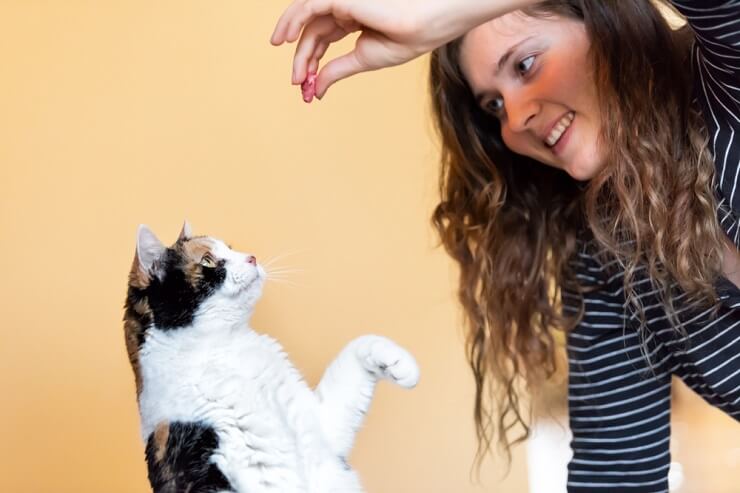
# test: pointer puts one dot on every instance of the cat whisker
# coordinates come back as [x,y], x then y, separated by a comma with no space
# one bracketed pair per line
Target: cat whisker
[279,267]
[285,281]
[277,277]
[271,260]
[283,271]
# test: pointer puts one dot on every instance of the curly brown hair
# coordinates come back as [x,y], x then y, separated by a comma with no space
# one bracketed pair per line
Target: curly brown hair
[512,223]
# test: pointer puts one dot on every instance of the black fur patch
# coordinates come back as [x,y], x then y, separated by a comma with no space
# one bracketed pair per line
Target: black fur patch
[183,463]
[175,299]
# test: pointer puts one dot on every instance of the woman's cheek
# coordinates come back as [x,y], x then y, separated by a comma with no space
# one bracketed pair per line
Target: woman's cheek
[511,141]
[524,146]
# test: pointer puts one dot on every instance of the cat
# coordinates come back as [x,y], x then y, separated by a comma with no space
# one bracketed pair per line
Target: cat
[222,408]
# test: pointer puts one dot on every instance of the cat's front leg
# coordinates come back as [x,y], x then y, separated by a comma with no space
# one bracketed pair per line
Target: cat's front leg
[347,387]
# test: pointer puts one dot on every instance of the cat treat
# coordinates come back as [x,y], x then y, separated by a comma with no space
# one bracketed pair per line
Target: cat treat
[222,408]
[308,87]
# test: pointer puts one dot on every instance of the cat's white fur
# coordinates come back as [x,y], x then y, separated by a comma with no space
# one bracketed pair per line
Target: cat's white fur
[275,433]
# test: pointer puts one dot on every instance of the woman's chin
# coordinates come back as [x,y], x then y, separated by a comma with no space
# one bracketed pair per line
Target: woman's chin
[581,171]
[577,174]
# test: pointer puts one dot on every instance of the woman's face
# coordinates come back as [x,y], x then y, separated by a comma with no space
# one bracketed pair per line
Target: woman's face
[535,75]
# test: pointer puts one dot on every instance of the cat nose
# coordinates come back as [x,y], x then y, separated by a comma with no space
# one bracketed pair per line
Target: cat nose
[251,259]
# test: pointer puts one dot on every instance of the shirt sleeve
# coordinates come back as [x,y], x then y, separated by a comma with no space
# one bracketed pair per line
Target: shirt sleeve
[716,24]
[707,355]
[619,390]
[716,65]
[619,404]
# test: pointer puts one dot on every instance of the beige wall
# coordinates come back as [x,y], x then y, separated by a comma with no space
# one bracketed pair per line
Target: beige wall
[122,112]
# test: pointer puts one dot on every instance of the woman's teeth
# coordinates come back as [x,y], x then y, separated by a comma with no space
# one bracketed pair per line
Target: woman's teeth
[560,129]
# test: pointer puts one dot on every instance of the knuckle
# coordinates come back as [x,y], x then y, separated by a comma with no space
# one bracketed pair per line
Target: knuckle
[308,6]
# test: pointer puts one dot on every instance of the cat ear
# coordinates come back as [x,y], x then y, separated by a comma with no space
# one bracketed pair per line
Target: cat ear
[148,250]
[186,232]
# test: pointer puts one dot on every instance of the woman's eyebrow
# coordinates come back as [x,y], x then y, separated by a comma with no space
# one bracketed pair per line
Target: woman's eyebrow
[501,62]
[505,57]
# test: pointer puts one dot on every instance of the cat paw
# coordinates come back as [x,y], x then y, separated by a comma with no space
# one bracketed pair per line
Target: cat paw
[386,359]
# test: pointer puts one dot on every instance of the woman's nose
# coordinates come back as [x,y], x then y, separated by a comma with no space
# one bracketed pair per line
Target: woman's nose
[520,112]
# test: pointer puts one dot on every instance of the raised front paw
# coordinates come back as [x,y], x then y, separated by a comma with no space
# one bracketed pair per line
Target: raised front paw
[386,359]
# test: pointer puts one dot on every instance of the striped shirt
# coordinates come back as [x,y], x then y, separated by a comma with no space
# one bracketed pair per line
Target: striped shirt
[619,404]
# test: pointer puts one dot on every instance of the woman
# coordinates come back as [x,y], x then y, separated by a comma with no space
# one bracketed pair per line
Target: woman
[588,186]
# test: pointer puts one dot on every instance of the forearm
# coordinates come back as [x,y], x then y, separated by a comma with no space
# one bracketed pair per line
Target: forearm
[470,13]
[715,23]
[481,11]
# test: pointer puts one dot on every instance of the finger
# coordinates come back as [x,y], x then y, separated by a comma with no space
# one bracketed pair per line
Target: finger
[337,69]
[296,16]
[321,46]
[278,34]
[348,25]
[313,65]
[312,35]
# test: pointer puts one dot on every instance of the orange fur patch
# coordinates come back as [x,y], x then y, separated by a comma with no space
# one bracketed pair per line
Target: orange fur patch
[193,250]
[132,332]
[137,277]
[161,434]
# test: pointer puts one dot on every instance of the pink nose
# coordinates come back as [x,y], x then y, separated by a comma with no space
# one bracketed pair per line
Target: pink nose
[251,259]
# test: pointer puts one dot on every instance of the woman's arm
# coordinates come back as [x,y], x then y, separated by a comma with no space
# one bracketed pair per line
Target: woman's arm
[619,404]
[716,67]
[392,32]
[717,27]
[619,401]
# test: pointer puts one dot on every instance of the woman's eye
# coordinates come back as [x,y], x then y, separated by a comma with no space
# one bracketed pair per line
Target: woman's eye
[525,65]
[496,105]
[208,261]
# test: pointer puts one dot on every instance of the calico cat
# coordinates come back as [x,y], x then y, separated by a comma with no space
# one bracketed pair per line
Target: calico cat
[222,408]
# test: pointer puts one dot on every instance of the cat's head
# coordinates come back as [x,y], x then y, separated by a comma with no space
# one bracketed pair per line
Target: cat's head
[198,278]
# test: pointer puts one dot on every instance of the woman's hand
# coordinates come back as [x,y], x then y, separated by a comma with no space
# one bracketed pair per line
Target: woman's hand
[392,32]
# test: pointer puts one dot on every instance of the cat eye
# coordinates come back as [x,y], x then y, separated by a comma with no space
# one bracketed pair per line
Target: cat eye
[208,261]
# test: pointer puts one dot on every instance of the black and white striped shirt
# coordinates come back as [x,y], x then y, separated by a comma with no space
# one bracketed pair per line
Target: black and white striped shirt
[619,405]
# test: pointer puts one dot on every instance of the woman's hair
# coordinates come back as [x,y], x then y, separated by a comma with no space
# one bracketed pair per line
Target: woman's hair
[512,223]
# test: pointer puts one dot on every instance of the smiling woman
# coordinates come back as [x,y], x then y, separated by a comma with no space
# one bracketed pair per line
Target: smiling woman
[631,234]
